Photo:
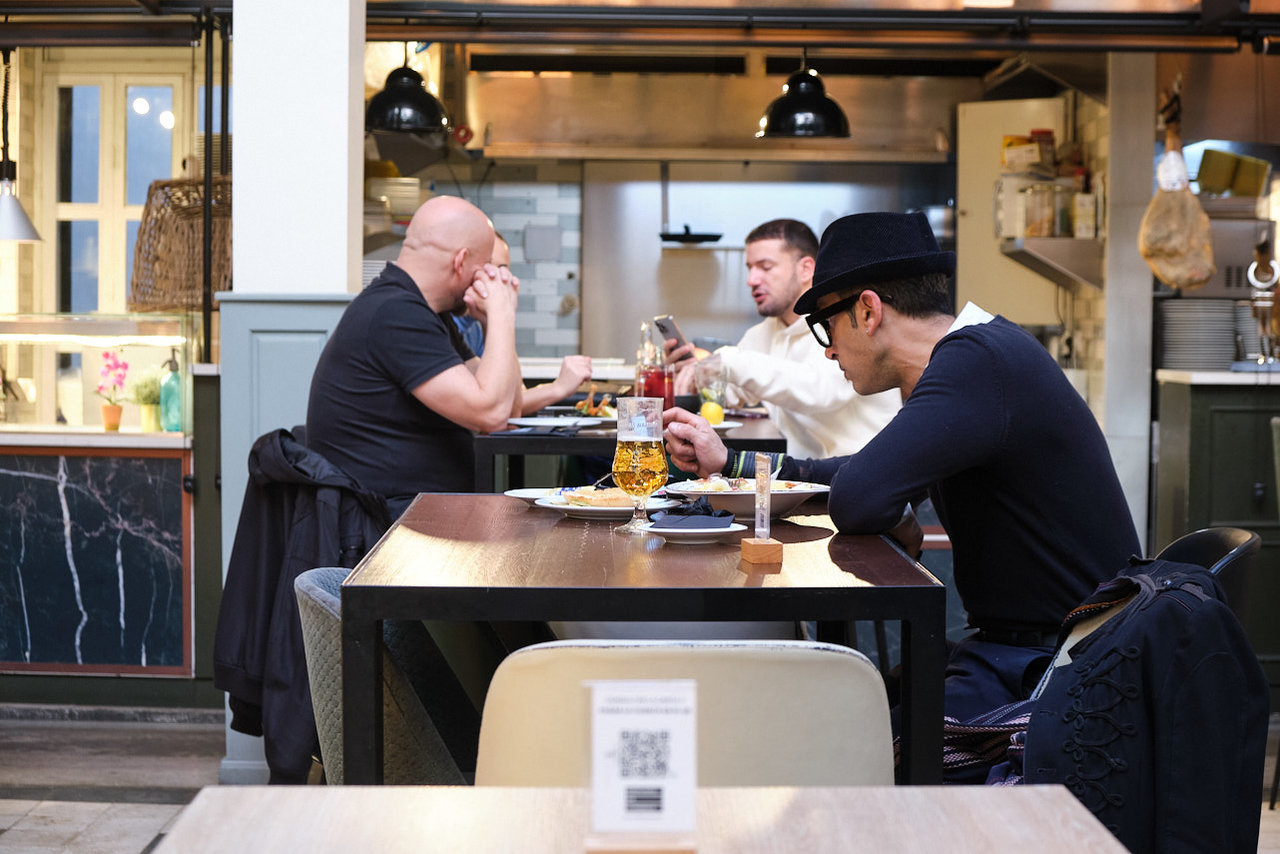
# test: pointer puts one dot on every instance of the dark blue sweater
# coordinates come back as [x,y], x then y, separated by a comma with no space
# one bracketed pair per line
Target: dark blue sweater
[1017,468]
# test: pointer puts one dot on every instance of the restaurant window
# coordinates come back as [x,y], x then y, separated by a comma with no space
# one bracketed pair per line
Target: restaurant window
[115,134]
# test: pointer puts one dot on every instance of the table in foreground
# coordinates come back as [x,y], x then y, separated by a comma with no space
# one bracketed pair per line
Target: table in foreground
[493,558]
[424,819]
[755,434]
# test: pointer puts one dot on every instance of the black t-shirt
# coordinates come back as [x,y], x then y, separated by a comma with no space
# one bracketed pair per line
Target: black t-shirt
[362,414]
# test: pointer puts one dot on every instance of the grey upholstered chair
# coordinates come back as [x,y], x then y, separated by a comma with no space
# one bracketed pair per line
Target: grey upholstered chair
[414,750]
[770,713]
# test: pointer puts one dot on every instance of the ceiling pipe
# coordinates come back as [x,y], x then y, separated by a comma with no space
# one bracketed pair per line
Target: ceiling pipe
[866,39]
[132,33]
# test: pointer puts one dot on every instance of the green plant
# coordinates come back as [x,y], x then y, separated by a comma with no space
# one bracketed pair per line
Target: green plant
[144,387]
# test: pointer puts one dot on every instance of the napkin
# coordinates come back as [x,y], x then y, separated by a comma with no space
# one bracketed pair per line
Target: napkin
[559,430]
[697,514]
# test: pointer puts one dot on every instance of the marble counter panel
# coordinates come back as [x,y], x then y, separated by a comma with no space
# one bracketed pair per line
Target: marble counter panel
[93,573]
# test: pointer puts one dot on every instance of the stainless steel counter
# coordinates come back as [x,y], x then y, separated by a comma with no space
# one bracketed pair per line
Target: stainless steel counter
[1246,378]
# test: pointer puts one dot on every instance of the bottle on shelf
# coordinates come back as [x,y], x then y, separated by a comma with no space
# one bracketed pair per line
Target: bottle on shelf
[171,395]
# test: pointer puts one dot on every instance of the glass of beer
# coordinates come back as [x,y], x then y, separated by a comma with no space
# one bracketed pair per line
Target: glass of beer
[640,462]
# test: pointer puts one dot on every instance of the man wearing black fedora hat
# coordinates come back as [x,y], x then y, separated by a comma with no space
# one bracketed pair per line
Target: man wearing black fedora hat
[990,429]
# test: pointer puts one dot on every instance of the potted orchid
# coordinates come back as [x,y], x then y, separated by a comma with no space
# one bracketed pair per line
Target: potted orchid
[110,388]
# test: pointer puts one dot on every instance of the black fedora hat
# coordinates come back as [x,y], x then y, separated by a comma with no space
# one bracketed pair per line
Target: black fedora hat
[867,248]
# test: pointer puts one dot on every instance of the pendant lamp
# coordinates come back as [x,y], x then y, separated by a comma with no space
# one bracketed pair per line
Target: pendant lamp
[803,109]
[404,104]
[14,222]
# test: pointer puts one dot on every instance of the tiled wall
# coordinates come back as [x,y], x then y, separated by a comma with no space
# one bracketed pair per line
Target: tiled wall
[535,206]
[1090,304]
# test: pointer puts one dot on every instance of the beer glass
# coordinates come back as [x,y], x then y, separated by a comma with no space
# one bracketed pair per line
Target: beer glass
[640,461]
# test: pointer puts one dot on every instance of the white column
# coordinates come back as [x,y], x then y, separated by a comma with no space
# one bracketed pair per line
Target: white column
[297,176]
[299,131]
[1131,103]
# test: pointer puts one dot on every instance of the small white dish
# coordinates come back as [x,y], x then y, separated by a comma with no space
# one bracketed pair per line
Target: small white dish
[579,511]
[530,494]
[553,421]
[725,425]
[693,536]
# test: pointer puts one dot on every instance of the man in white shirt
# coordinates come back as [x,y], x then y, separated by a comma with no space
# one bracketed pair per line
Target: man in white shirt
[778,364]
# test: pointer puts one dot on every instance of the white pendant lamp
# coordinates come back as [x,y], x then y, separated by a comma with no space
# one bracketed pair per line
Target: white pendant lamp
[14,222]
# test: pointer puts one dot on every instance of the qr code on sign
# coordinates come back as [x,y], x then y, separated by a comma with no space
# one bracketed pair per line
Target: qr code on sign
[644,753]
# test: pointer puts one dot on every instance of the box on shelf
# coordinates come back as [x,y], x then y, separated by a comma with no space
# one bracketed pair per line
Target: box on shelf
[1085,216]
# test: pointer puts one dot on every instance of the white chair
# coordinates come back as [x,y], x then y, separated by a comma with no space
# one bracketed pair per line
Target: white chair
[770,713]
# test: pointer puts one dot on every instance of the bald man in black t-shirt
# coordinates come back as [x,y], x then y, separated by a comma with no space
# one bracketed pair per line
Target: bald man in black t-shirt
[397,394]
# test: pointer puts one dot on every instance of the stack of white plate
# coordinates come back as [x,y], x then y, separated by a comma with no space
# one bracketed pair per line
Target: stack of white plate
[1199,335]
[1247,329]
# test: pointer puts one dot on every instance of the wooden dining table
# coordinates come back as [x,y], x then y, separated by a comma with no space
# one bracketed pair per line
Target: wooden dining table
[766,820]
[484,557]
[513,445]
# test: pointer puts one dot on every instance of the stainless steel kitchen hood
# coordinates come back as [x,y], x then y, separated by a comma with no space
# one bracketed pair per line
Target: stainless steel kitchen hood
[626,115]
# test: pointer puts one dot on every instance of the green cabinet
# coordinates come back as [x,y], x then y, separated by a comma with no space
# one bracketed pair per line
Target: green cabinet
[1215,466]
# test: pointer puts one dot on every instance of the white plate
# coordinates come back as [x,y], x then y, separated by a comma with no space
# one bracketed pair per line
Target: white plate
[554,421]
[725,425]
[531,493]
[693,536]
[575,511]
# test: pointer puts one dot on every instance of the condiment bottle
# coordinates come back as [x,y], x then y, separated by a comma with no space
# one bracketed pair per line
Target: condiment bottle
[171,395]
[654,377]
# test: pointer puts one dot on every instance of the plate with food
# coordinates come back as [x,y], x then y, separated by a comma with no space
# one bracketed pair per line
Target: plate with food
[588,502]
[530,494]
[738,494]
[593,408]
[692,536]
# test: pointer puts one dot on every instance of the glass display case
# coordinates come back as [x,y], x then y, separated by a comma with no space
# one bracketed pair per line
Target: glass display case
[96,566]
[51,366]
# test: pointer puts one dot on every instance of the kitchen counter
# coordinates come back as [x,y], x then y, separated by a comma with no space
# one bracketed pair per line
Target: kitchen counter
[548,368]
[37,436]
[1246,378]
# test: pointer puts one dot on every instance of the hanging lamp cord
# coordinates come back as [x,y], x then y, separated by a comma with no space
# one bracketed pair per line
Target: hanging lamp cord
[4,110]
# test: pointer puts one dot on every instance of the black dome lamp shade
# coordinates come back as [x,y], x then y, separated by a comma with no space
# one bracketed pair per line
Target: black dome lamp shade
[803,109]
[404,104]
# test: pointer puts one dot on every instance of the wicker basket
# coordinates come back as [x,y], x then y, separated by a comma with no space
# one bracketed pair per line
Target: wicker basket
[168,260]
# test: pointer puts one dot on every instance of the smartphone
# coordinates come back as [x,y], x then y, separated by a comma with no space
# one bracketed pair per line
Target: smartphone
[667,326]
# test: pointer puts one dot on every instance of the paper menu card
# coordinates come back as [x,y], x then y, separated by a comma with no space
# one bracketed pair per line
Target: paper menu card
[643,756]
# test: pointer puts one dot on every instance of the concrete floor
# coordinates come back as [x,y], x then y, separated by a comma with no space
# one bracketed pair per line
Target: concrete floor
[100,787]
[114,787]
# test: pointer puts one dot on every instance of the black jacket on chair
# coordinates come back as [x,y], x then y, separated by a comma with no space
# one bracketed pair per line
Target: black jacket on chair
[300,511]
[1159,722]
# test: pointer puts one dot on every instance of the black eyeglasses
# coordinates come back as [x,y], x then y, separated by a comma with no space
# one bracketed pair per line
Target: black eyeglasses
[820,320]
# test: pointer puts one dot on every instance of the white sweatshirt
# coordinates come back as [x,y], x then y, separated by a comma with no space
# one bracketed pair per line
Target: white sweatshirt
[805,393]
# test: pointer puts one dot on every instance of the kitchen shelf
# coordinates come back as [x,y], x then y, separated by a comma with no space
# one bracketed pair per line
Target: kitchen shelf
[1067,261]
[705,246]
